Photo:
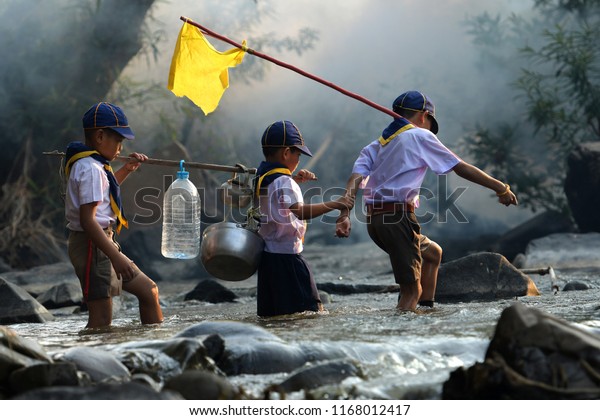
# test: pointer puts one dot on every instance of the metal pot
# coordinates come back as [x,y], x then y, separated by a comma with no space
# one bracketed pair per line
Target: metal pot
[230,252]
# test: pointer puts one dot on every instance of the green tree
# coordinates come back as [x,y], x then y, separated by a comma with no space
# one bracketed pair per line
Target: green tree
[554,61]
[58,58]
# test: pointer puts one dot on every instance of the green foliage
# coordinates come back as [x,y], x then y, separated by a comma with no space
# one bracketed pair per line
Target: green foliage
[555,100]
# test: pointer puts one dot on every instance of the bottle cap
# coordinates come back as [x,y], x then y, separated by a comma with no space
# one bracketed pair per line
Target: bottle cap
[182,173]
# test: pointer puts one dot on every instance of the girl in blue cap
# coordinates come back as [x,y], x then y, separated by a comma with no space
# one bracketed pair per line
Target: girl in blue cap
[285,281]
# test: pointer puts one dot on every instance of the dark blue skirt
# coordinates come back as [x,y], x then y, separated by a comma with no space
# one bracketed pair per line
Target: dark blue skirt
[285,285]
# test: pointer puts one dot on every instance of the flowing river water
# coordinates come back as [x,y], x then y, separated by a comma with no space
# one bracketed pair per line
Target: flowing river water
[402,355]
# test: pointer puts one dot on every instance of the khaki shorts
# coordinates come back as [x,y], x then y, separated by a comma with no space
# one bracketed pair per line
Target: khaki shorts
[96,274]
[399,235]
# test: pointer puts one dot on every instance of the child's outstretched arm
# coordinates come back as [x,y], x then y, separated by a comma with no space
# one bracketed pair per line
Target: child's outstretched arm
[308,211]
[476,175]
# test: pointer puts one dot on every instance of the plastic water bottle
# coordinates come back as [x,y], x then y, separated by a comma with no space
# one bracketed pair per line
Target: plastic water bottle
[181,218]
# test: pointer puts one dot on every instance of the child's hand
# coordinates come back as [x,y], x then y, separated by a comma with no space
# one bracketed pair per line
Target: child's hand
[304,175]
[508,199]
[123,267]
[135,161]
[343,226]
[346,201]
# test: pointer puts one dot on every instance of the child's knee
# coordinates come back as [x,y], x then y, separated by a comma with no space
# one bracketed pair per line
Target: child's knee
[433,253]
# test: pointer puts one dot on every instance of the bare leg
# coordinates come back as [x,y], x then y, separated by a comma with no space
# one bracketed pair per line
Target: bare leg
[100,313]
[409,296]
[147,293]
[432,258]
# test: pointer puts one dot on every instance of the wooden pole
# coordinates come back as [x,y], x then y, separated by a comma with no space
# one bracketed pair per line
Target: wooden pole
[290,67]
[187,164]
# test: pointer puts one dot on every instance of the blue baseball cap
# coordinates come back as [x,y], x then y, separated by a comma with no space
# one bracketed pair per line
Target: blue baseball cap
[284,134]
[106,115]
[416,101]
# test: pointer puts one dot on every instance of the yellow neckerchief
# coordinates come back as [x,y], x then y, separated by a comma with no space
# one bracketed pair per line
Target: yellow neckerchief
[114,205]
[283,171]
[384,142]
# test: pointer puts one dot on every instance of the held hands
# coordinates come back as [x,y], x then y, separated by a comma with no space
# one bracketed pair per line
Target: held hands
[304,175]
[343,226]
[135,160]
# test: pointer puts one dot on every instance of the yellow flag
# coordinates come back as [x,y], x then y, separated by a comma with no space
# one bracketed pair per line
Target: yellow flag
[199,71]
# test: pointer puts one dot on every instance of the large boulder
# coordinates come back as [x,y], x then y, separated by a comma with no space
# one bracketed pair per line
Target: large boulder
[17,352]
[533,355]
[568,250]
[61,295]
[249,349]
[100,365]
[18,306]
[482,276]
[126,391]
[316,375]
[515,241]
[209,290]
[199,385]
[582,185]
[38,279]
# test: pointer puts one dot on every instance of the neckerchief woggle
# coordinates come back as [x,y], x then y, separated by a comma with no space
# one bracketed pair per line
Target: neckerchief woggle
[268,172]
[77,150]
[399,125]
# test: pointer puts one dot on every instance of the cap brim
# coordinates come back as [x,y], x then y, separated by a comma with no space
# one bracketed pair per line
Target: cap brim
[434,125]
[303,149]
[125,132]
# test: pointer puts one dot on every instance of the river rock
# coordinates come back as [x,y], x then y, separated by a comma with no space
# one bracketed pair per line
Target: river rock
[482,276]
[249,349]
[18,306]
[582,184]
[229,330]
[532,355]
[566,250]
[314,376]
[349,289]
[515,241]
[126,391]
[211,291]
[38,279]
[61,295]
[17,352]
[100,365]
[575,285]
[199,385]
[43,375]
[164,359]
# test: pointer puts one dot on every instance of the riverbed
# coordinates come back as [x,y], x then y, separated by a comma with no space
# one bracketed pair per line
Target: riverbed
[402,355]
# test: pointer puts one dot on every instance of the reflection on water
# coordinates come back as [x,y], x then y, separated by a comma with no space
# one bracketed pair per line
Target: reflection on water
[396,350]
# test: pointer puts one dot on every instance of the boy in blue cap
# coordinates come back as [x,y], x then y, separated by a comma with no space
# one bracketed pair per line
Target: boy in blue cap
[93,207]
[285,281]
[391,170]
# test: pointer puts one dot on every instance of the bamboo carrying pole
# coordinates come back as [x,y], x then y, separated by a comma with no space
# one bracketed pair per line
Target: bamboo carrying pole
[165,162]
[290,67]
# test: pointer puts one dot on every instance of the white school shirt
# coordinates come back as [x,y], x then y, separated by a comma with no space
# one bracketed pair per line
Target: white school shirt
[281,230]
[395,172]
[88,183]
